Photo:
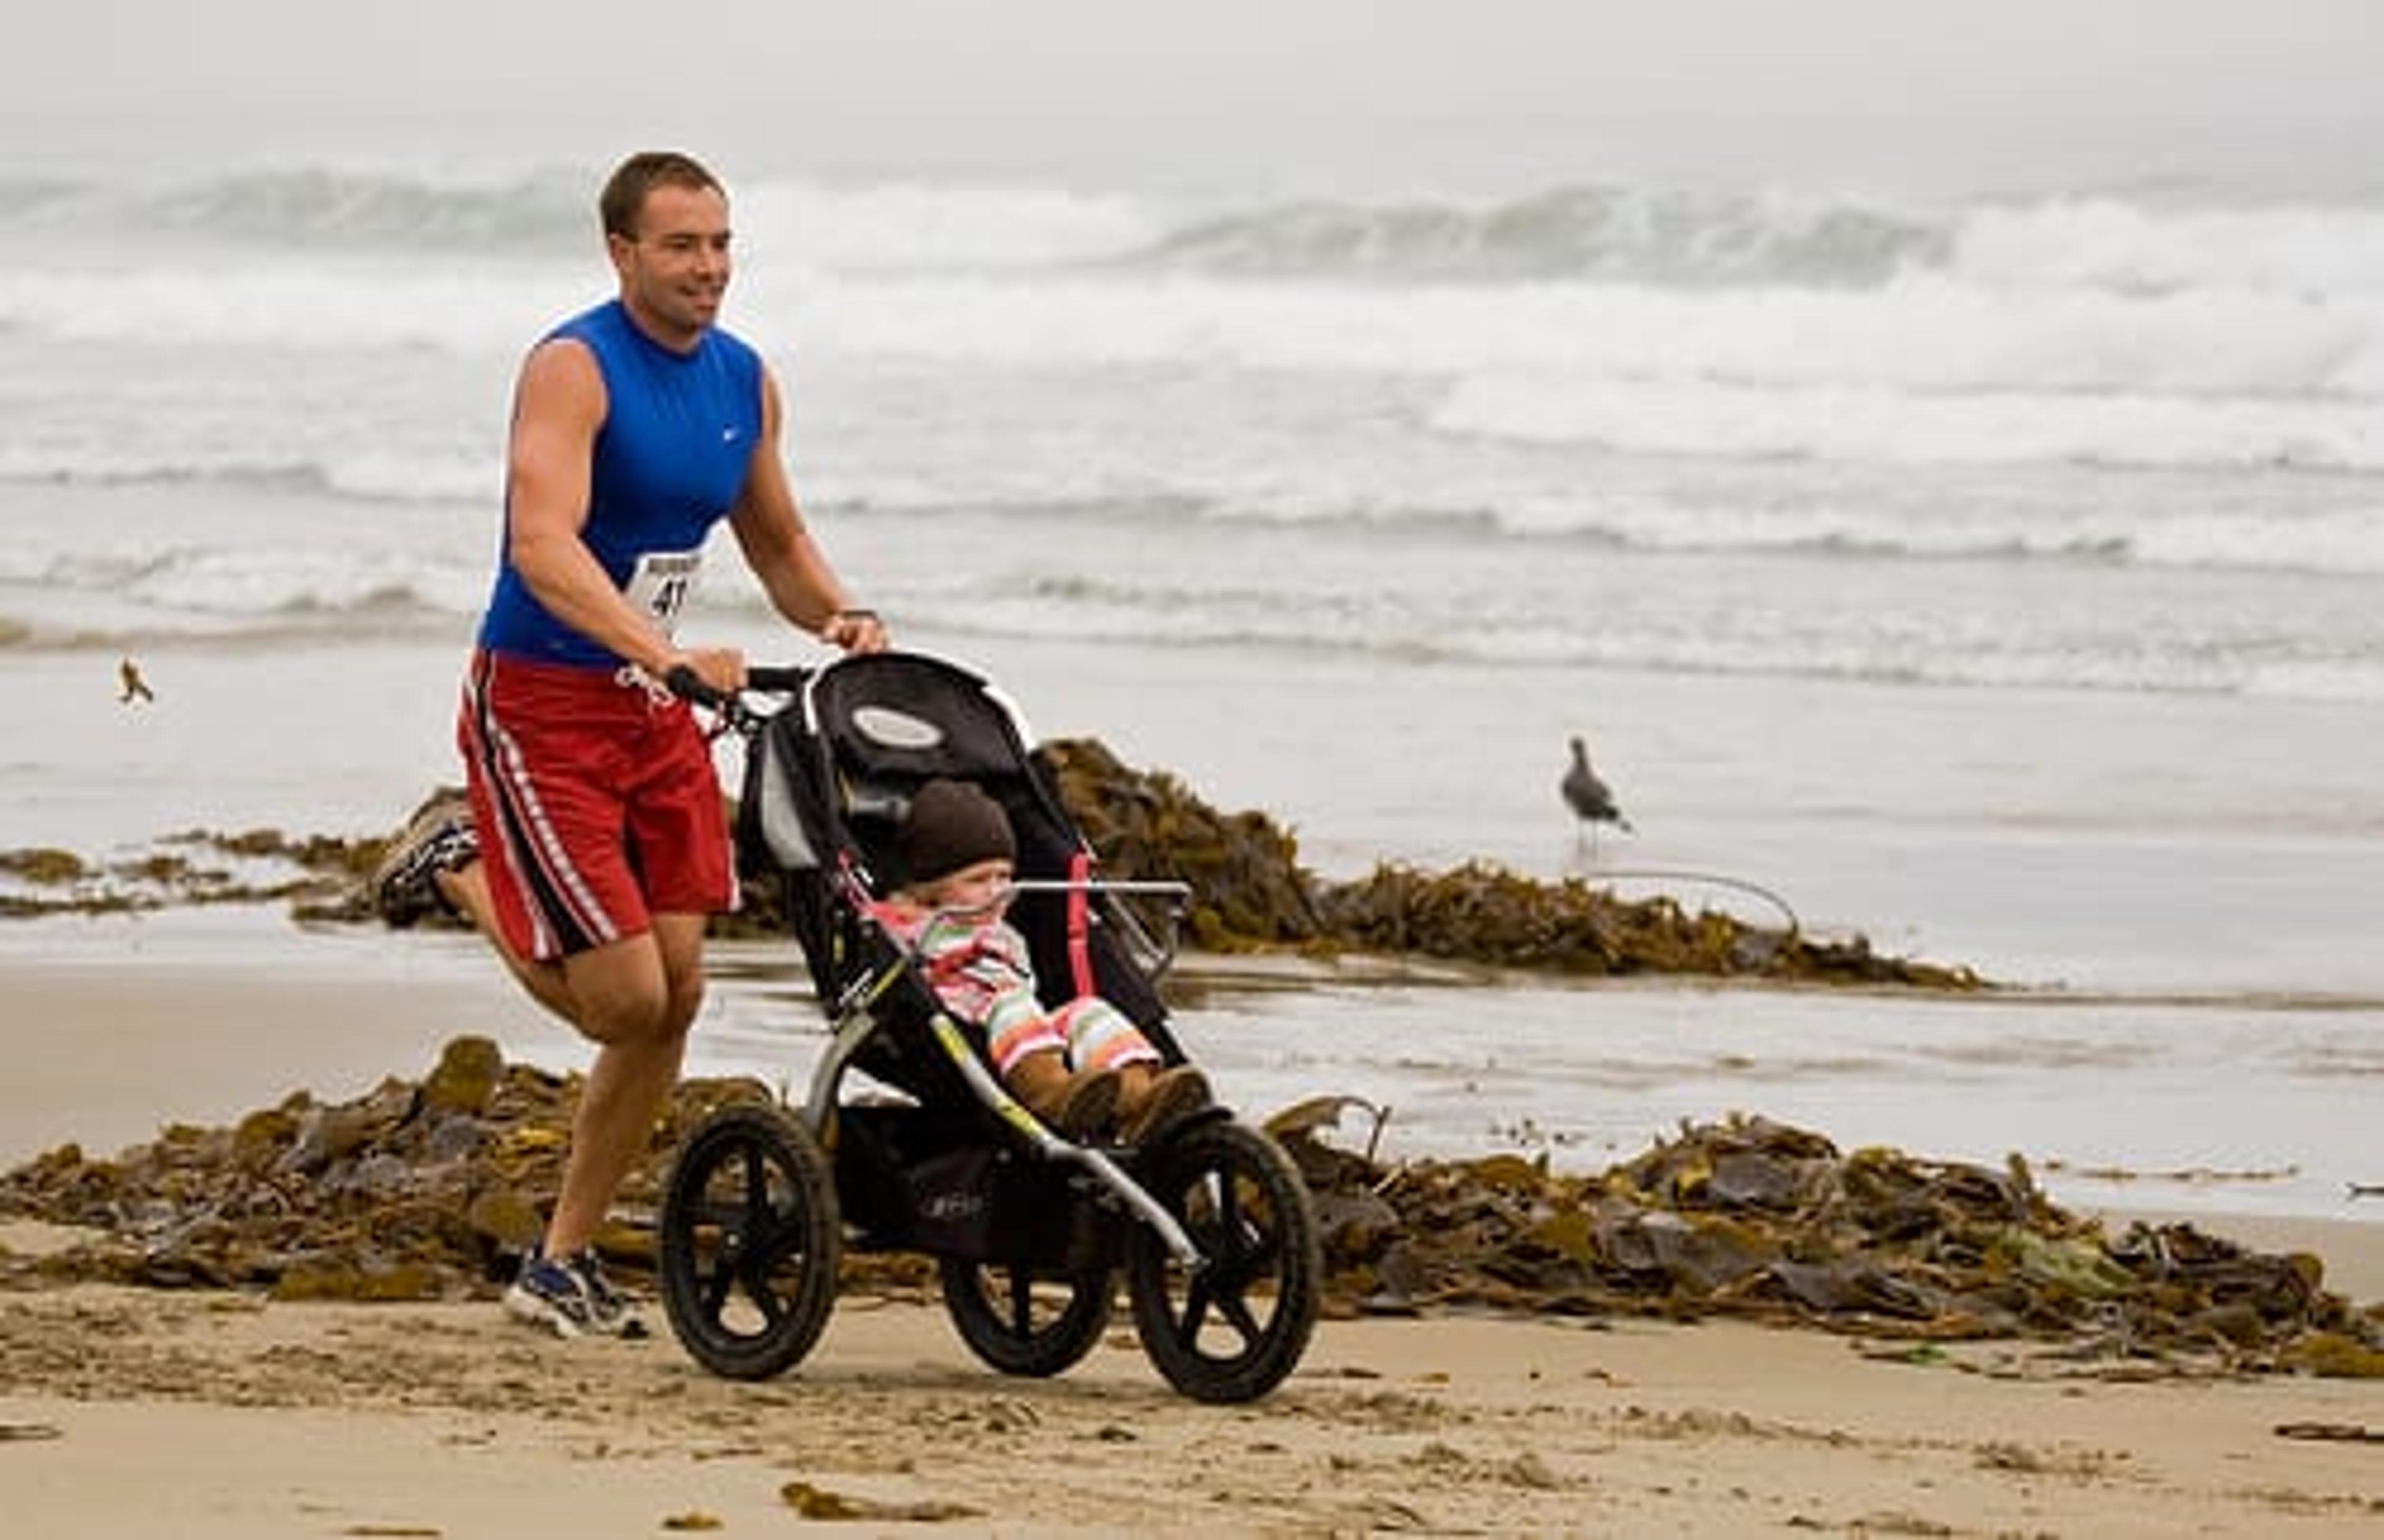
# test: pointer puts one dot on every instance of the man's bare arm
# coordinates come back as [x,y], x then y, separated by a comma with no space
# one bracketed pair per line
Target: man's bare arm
[794,571]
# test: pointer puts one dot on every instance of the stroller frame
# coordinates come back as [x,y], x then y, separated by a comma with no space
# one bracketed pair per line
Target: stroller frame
[1208,1222]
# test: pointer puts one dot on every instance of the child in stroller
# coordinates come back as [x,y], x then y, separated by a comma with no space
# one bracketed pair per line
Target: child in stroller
[1083,1068]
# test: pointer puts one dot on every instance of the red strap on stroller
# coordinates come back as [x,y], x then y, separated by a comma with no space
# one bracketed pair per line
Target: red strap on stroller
[1080,942]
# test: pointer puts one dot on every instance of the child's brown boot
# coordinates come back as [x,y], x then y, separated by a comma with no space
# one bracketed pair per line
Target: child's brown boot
[1152,1100]
[1077,1105]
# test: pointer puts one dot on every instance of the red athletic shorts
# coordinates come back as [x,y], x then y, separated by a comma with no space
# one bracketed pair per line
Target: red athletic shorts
[597,806]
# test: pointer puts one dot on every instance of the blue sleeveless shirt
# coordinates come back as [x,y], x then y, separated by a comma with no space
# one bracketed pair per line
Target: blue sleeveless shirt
[671,457]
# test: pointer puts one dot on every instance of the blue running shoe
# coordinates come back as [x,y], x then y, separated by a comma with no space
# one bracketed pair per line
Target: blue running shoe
[571,1298]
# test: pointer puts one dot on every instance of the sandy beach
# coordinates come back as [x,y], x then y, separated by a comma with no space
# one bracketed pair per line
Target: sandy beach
[206,1416]
[215,1413]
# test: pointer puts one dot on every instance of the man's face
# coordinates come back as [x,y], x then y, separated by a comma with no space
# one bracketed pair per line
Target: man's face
[674,274]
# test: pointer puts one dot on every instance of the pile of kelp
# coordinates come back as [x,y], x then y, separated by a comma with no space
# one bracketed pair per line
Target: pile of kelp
[320,874]
[1751,1218]
[418,1189]
[430,1189]
[1249,893]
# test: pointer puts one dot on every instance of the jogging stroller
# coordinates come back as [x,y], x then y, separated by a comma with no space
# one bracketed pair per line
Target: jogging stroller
[906,1140]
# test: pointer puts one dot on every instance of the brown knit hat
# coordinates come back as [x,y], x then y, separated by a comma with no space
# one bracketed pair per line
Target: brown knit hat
[952,825]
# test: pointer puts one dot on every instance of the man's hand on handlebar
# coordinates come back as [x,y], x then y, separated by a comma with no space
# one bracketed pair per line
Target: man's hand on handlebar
[854,630]
[722,669]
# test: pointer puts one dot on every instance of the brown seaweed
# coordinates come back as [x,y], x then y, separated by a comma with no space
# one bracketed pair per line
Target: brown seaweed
[431,1189]
[1752,1218]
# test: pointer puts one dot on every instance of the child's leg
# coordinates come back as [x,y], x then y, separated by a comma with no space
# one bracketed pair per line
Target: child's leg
[1099,1037]
[1150,1095]
[1029,1049]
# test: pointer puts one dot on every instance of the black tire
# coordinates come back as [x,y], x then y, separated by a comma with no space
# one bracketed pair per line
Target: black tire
[1023,1320]
[750,1242]
[1230,1330]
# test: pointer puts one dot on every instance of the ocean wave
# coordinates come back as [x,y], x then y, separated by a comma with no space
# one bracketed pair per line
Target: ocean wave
[2123,240]
[122,595]
[1606,234]
[1096,616]
[28,199]
[1857,422]
[131,632]
[465,308]
[366,473]
[2316,250]
[549,211]
[311,586]
[1674,238]
[1595,289]
[1971,597]
[1558,344]
[916,226]
[1923,333]
[2336,536]
[323,209]
[1846,655]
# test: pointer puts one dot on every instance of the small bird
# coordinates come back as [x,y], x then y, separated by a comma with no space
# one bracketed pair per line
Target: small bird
[135,687]
[1592,799]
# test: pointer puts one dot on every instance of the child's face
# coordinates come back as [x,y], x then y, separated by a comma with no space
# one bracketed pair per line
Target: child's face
[980,884]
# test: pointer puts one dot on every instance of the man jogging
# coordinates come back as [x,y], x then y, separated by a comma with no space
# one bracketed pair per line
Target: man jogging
[595,844]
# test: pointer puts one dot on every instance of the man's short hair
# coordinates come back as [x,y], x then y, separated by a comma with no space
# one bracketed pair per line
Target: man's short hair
[624,198]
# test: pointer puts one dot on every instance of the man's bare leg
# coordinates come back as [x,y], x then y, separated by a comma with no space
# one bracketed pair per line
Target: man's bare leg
[636,999]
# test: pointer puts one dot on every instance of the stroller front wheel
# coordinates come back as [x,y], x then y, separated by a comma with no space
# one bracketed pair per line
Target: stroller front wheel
[750,1242]
[1230,1329]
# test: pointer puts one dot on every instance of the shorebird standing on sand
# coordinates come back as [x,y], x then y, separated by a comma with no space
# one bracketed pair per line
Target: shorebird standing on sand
[1592,799]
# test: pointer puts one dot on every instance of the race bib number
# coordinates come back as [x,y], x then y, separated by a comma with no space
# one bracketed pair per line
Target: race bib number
[660,583]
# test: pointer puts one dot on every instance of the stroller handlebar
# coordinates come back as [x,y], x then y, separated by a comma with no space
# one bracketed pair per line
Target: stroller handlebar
[687,685]
[776,679]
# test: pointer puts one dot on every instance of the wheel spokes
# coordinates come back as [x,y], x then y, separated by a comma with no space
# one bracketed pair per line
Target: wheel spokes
[1240,1245]
[755,1229]
[757,1181]
[1234,1307]
[1021,1301]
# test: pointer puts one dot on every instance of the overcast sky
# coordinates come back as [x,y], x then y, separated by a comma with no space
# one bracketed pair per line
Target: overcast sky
[921,71]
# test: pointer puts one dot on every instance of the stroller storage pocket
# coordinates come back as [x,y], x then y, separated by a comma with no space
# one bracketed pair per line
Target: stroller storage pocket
[907,1180]
[987,1203]
[954,1202]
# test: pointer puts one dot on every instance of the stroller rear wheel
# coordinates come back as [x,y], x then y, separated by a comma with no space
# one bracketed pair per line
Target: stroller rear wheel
[750,1242]
[1230,1329]
[1023,1320]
